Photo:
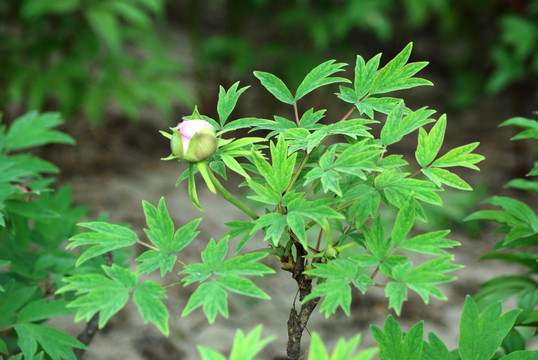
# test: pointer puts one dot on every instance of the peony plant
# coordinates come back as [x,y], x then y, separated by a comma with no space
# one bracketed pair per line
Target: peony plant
[321,192]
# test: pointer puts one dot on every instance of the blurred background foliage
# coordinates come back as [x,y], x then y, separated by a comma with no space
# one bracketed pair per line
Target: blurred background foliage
[85,56]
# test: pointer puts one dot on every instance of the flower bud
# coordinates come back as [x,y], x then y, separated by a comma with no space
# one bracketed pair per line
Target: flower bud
[331,253]
[194,140]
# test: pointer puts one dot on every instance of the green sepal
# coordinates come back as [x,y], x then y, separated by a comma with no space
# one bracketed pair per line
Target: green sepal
[202,167]
[192,188]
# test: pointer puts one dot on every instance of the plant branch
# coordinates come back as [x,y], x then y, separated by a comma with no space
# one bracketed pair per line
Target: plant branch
[297,320]
[230,198]
[348,114]
[296,113]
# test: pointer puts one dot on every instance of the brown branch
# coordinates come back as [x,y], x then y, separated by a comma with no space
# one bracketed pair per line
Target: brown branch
[298,320]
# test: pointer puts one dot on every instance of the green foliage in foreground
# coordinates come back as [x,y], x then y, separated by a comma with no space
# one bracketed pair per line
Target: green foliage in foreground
[34,225]
[518,223]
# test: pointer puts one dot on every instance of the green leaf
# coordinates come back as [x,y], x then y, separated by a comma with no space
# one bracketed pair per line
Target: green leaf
[146,298]
[443,176]
[275,86]
[375,240]
[161,227]
[283,166]
[297,226]
[338,275]
[238,228]
[366,202]
[517,208]
[192,188]
[247,264]
[57,344]
[460,156]
[436,350]
[521,122]
[243,348]
[424,278]
[429,243]
[32,210]
[396,75]
[247,347]
[152,260]
[523,184]
[337,294]
[389,132]
[213,299]
[207,353]
[521,355]
[241,286]
[34,129]
[101,294]
[103,22]
[404,221]
[430,144]
[104,238]
[274,224]
[383,105]
[397,294]
[393,344]
[320,76]
[227,101]
[344,350]
[214,253]
[40,9]
[481,335]
[310,118]
[365,75]
[234,165]
[43,309]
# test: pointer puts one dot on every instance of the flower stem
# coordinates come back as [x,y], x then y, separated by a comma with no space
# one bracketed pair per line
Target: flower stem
[229,197]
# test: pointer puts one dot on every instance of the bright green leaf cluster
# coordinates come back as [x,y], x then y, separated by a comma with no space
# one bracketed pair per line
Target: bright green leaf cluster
[218,275]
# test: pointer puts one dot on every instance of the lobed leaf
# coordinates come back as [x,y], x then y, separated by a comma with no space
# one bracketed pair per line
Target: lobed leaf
[320,76]
[365,75]
[481,335]
[56,344]
[337,293]
[247,347]
[227,101]
[104,238]
[430,144]
[344,350]
[404,221]
[442,176]
[43,309]
[429,243]
[393,344]
[436,349]
[146,298]
[241,286]
[161,227]
[396,75]
[516,208]
[460,156]
[35,129]
[211,297]
[275,86]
